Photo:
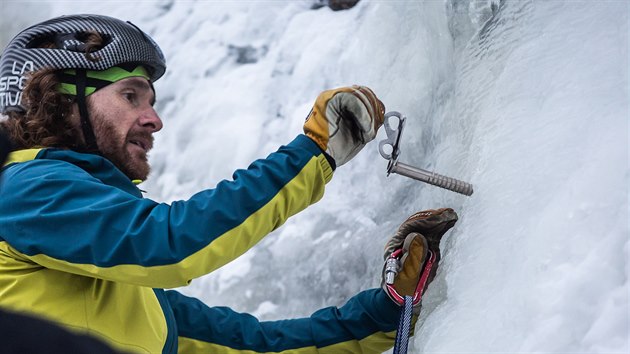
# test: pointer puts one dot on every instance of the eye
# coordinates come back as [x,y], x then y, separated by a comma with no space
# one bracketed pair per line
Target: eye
[129,96]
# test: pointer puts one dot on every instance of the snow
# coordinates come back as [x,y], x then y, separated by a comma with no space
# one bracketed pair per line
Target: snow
[528,101]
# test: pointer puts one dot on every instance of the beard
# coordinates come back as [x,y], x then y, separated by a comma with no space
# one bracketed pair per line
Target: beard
[114,146]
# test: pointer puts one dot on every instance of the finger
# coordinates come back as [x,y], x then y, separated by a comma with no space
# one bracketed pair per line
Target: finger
[394,243]
[376,107]
[430,223]
[372,105]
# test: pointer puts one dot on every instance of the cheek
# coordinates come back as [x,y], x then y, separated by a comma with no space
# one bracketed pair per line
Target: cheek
[109,133]
[123,121]
[117,123]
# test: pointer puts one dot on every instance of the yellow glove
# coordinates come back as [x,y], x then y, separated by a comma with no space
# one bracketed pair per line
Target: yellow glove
[344,120]
[413,253]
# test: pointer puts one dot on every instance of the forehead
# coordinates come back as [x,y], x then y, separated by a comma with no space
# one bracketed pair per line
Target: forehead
[138,83]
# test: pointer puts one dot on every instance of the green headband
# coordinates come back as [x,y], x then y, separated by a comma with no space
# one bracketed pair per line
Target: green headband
[98,79]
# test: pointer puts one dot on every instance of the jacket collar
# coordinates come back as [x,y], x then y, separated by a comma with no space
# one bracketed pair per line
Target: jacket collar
[96,165]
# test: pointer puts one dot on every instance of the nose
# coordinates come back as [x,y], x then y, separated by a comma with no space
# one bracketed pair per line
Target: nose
[150,119]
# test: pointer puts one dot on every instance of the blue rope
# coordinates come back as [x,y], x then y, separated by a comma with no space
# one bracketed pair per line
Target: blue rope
[404,327]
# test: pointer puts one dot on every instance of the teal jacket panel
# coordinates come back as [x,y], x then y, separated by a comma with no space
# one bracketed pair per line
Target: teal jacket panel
[78,213]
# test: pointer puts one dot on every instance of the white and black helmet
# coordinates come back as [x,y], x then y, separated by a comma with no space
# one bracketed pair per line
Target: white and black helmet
[124,43]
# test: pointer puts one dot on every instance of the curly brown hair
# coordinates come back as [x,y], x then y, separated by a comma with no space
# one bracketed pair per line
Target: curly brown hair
[47,121]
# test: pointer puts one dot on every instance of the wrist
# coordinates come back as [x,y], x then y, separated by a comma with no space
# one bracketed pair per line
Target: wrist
[330,159]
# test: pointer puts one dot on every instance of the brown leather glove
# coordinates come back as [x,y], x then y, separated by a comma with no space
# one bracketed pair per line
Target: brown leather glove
[416,249]
[344,120]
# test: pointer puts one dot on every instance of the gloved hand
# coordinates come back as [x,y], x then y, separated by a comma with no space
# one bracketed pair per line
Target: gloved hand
[415,249]
[344,120]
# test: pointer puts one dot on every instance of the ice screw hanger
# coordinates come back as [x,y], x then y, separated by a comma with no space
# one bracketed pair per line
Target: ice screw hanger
[394,166]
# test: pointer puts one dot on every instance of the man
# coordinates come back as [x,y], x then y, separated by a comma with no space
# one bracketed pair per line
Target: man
[80,246]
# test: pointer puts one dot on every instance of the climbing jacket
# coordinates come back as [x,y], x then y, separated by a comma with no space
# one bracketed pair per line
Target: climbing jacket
[80,246]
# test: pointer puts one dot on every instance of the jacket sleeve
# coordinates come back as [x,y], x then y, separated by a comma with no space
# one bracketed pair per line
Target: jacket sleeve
[57,215]
[365,324]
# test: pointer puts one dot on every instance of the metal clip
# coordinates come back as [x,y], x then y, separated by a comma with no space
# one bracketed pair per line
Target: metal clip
[393,140]
[391,270]
[392,267]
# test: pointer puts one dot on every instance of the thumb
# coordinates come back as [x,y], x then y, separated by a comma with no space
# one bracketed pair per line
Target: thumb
[415,249]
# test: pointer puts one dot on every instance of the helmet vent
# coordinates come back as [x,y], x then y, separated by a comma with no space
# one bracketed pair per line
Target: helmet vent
[43,41]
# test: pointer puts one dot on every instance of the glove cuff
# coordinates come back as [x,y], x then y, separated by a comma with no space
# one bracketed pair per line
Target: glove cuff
[330,160]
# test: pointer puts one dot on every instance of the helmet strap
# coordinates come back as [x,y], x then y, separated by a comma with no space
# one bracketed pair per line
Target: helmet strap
[86,125]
